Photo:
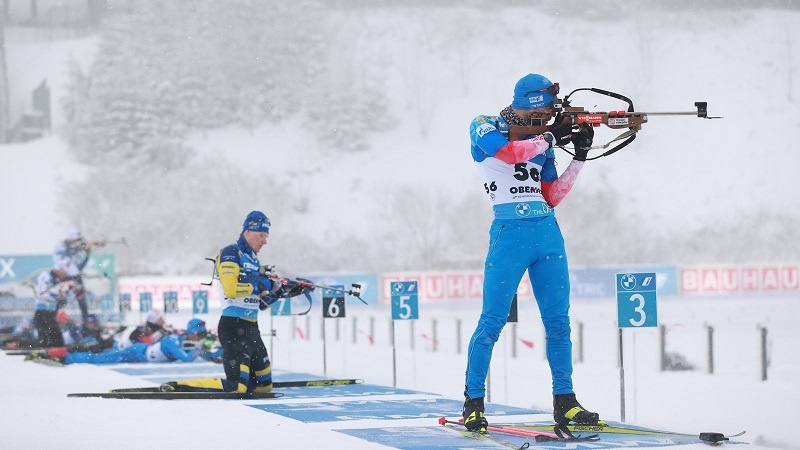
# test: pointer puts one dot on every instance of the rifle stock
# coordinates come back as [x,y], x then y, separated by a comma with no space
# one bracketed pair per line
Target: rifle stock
[577,115]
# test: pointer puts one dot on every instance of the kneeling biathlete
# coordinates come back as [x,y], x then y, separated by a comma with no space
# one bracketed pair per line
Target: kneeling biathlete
[244,293]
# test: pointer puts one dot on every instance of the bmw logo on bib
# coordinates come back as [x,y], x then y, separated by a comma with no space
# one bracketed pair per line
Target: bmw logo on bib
[523,209]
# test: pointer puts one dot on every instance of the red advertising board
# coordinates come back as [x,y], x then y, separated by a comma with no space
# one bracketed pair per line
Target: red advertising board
[446,286]
[751,279]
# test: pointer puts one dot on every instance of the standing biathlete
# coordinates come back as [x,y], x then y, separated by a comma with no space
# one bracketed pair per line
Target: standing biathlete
[53,289]
[522,185]
[244,294]
[73,253]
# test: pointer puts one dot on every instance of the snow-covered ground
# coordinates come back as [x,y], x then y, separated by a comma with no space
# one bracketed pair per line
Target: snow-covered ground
[39,415]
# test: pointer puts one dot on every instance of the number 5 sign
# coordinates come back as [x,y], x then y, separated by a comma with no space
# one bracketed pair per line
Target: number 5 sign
[636,300]
[405,300]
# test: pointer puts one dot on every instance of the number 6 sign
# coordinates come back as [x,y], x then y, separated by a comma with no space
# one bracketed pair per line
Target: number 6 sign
[636,300]
[333,303]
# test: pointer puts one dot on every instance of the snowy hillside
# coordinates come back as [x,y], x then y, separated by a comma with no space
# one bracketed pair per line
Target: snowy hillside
[680,175]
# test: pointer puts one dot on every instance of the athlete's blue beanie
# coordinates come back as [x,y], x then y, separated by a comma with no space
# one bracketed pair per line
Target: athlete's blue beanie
[196,326]
[256,221]
[530,92]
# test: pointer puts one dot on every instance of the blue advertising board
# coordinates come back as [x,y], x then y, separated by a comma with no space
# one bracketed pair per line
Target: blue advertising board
[588,283]
[18,267]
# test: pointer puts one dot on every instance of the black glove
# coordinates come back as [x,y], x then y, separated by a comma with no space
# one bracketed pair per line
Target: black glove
[294,289]
[266,287]
[582,140]
[560,131]
[268,298]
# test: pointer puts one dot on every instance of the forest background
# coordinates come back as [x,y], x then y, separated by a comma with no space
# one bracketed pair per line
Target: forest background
[347,123]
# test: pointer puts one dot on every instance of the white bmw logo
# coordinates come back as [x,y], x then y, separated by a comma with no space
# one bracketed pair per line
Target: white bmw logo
[627,282]
[522,209]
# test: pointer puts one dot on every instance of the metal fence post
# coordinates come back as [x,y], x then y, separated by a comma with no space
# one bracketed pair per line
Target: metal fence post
[710,333]
[764,361]
[458,336]
[434,339]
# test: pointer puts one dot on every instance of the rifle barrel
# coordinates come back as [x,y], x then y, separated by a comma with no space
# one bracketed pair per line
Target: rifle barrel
[666,113]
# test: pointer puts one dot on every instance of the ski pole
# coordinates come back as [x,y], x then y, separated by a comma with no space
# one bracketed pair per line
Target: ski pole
[507,430]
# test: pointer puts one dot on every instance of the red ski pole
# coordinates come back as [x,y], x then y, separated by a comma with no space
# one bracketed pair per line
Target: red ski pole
[507,430]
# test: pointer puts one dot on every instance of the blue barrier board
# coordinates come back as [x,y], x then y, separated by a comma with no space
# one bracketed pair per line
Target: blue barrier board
[172,369]
[380,409]
[168,368]
[420,438]
[161,373]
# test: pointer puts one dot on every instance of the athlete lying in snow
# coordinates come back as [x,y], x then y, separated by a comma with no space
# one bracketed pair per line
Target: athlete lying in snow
[175,347]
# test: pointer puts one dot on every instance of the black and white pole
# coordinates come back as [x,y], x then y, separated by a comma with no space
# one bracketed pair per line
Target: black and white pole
[636,308]
[272,337]
[282,307]
[405,306]
[332,308]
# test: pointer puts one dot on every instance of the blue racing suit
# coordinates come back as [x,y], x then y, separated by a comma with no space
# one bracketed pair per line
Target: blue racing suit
[524,236]
[166,350]
[72,256]
[237,266]
[247,365]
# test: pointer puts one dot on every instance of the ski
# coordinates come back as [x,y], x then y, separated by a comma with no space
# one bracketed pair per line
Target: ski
[486,437]
[606,428]
[715,438]
[46,361]
[43,351]
[539,436]
[21,352]
[708,437]
[316,383]
[276,384]
[180,395]
[8,348]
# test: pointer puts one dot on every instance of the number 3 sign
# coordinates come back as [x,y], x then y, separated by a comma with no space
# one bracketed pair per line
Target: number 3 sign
[636,300]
